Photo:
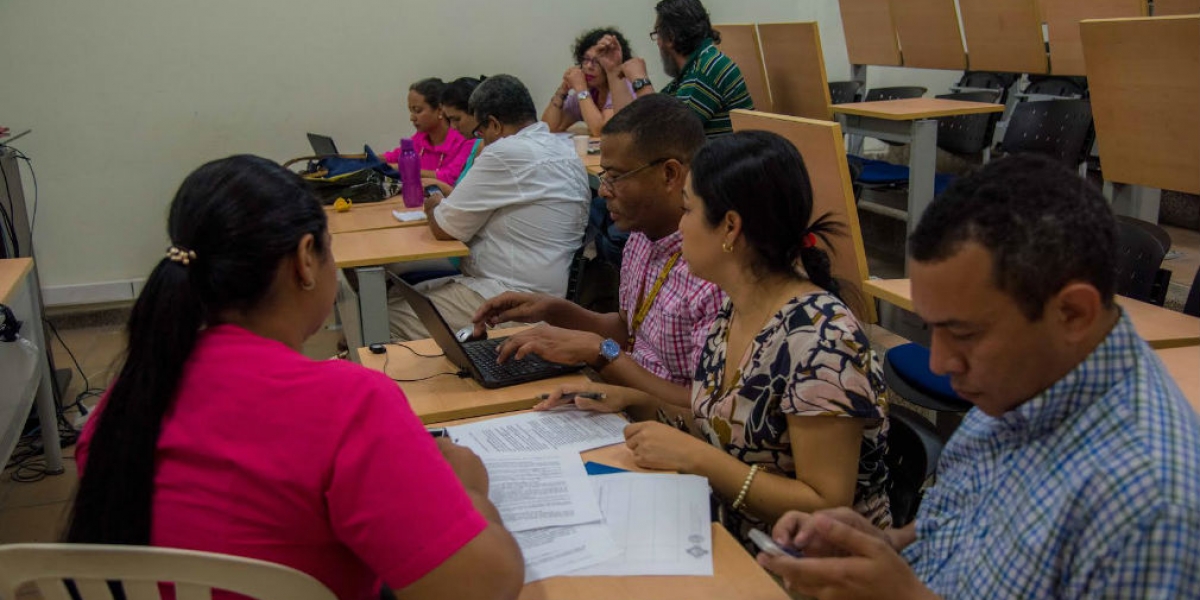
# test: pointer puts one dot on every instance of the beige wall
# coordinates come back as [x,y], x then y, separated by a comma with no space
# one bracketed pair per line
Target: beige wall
[125,98]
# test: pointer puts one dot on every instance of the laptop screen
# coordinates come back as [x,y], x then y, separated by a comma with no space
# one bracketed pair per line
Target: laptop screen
[433,321]
[322,145]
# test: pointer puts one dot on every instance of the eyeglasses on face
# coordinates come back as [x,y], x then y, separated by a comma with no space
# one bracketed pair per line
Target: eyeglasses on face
[608,181]
[654,35]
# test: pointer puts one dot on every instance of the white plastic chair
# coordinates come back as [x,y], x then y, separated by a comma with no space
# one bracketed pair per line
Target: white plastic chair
[141,568]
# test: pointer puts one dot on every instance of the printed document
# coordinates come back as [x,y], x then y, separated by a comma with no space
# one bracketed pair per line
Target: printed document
[555,551]
[574,431]
[542,489]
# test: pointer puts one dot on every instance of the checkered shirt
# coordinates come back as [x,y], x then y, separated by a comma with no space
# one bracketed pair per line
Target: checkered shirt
[671,337]
[1089,490]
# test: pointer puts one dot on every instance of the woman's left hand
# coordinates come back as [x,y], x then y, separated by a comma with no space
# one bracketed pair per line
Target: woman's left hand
[659,446]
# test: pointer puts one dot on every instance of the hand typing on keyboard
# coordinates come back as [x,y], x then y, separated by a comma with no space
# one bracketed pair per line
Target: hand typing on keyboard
[553,344]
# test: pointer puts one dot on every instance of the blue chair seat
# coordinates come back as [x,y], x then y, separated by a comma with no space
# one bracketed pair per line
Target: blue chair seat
[878,172]
[910,365]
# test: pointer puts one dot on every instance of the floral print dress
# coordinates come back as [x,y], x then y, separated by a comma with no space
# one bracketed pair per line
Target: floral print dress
[811,359]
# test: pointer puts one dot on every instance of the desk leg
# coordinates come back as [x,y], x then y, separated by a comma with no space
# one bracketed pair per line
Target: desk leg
[46,407]
[373,305]
[1135,201]
[922,163]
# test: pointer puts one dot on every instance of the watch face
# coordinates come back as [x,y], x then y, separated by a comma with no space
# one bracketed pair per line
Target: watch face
[610,349]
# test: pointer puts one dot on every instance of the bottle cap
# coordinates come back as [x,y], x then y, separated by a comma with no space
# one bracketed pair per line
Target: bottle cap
[406,145]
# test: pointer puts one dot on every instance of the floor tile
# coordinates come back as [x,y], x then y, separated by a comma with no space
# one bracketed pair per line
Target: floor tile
[53,489]
[43,523]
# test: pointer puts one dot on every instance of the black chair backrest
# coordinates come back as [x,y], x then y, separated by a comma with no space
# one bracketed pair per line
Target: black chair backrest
[894,93]
[575,275]
[1160,235]
[1061,129]
[1050,85]
[987,80]
[843,92]
[1192,305]
[913,451]
[967,134]
[1139,256]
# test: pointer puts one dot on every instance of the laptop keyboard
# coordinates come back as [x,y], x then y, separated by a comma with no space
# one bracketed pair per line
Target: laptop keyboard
[483,354]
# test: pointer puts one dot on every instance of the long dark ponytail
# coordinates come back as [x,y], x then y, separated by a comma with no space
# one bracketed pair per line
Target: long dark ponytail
[761,176]
[240,216]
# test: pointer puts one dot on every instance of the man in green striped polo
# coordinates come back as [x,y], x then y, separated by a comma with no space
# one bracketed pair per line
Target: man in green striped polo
[709,82]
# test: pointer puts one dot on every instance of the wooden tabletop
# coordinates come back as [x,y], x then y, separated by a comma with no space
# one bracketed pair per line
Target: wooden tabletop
[12,273]
[394,202]
[385,246]
[370,216]
[1184,366]
[592,162]
[1160,327]
[447,397]
[735,573]
[912,109]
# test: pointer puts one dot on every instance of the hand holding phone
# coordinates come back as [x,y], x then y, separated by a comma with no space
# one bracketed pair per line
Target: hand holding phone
[768,545]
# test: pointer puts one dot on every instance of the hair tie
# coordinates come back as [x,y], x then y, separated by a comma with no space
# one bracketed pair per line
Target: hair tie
[810,240]
[181,255]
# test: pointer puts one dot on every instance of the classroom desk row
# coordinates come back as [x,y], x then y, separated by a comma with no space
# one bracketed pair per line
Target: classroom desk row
[369,236]
[1161,327]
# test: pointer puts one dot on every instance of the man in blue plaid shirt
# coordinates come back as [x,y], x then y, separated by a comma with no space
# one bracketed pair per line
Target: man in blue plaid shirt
[1077,475]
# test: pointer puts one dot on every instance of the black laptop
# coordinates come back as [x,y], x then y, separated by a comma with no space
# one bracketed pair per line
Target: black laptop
[322,145]
[478,357]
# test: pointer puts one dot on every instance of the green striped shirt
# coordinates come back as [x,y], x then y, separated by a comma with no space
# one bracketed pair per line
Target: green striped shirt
[711,84]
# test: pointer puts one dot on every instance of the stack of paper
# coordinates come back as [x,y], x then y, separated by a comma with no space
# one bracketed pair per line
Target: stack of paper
[569,523]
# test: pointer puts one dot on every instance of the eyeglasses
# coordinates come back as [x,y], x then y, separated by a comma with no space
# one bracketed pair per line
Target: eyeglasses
[587,62]
[478,131]
[609,181]
[654,35]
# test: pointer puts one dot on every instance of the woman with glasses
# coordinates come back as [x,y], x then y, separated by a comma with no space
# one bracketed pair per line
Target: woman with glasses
[786,409]
[587,89]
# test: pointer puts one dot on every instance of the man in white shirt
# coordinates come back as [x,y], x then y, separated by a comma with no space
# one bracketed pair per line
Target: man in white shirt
[521,209]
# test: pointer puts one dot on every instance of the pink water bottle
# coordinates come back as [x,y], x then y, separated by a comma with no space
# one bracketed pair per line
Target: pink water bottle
[410,174]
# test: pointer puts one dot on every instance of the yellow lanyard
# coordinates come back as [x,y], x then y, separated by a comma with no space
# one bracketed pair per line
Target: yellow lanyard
[645,302]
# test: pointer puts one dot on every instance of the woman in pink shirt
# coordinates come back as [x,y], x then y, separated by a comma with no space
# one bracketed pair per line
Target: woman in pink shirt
[219,435]
[443,150]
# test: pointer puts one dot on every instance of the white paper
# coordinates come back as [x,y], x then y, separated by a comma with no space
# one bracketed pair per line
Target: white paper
[408,216]
[574,431]
[542,489]
[560,550]
[660,523]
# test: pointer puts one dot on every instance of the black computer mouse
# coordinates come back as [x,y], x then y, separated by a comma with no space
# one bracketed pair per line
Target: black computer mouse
[377,348]
[467,334]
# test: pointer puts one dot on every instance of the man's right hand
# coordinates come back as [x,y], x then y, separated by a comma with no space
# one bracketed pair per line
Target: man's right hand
[634,68]
[514,306]
[798,530]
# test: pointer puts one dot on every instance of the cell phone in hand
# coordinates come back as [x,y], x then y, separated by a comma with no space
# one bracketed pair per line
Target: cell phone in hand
[768,545]
[433,190]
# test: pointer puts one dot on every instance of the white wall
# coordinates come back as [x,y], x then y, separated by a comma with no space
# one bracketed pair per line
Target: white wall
[125,98]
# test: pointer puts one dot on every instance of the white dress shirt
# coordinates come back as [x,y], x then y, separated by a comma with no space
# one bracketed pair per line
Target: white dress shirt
[522,210]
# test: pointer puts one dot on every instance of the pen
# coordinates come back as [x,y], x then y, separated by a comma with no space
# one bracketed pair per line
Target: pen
[571,396]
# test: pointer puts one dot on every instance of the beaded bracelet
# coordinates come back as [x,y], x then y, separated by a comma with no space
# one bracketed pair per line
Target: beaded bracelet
[741,497]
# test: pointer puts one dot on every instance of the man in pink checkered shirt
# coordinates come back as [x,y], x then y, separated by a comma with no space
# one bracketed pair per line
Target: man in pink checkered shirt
[653,343]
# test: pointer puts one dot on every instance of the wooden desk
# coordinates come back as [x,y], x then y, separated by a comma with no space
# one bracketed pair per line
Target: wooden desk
[385,246]
[929,34]
[370,216]
[592,162]
[735,572]
[367,252]
[1004,36]
[447,397]
[911,121]
[1145,97]
[795,67]
[740,42]
[1062,26]
[1160,327]
[1184,366]
[25,378]
[870,32]
[394,202]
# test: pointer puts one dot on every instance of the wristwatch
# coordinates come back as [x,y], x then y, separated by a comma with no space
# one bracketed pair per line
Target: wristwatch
[638,84]
[610,350]
[582,95]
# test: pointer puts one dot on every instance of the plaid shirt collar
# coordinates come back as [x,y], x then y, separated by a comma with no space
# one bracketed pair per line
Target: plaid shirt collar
[1108,364]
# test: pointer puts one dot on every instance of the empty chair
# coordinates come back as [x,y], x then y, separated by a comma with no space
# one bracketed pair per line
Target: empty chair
[1162,278]
[844,92]
[913,451]
[968,134]
[906,372]
[137,570]
[1057,86]
[894,93]
[1192,305]
[1139,257]
[985,80]
[1061,129]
